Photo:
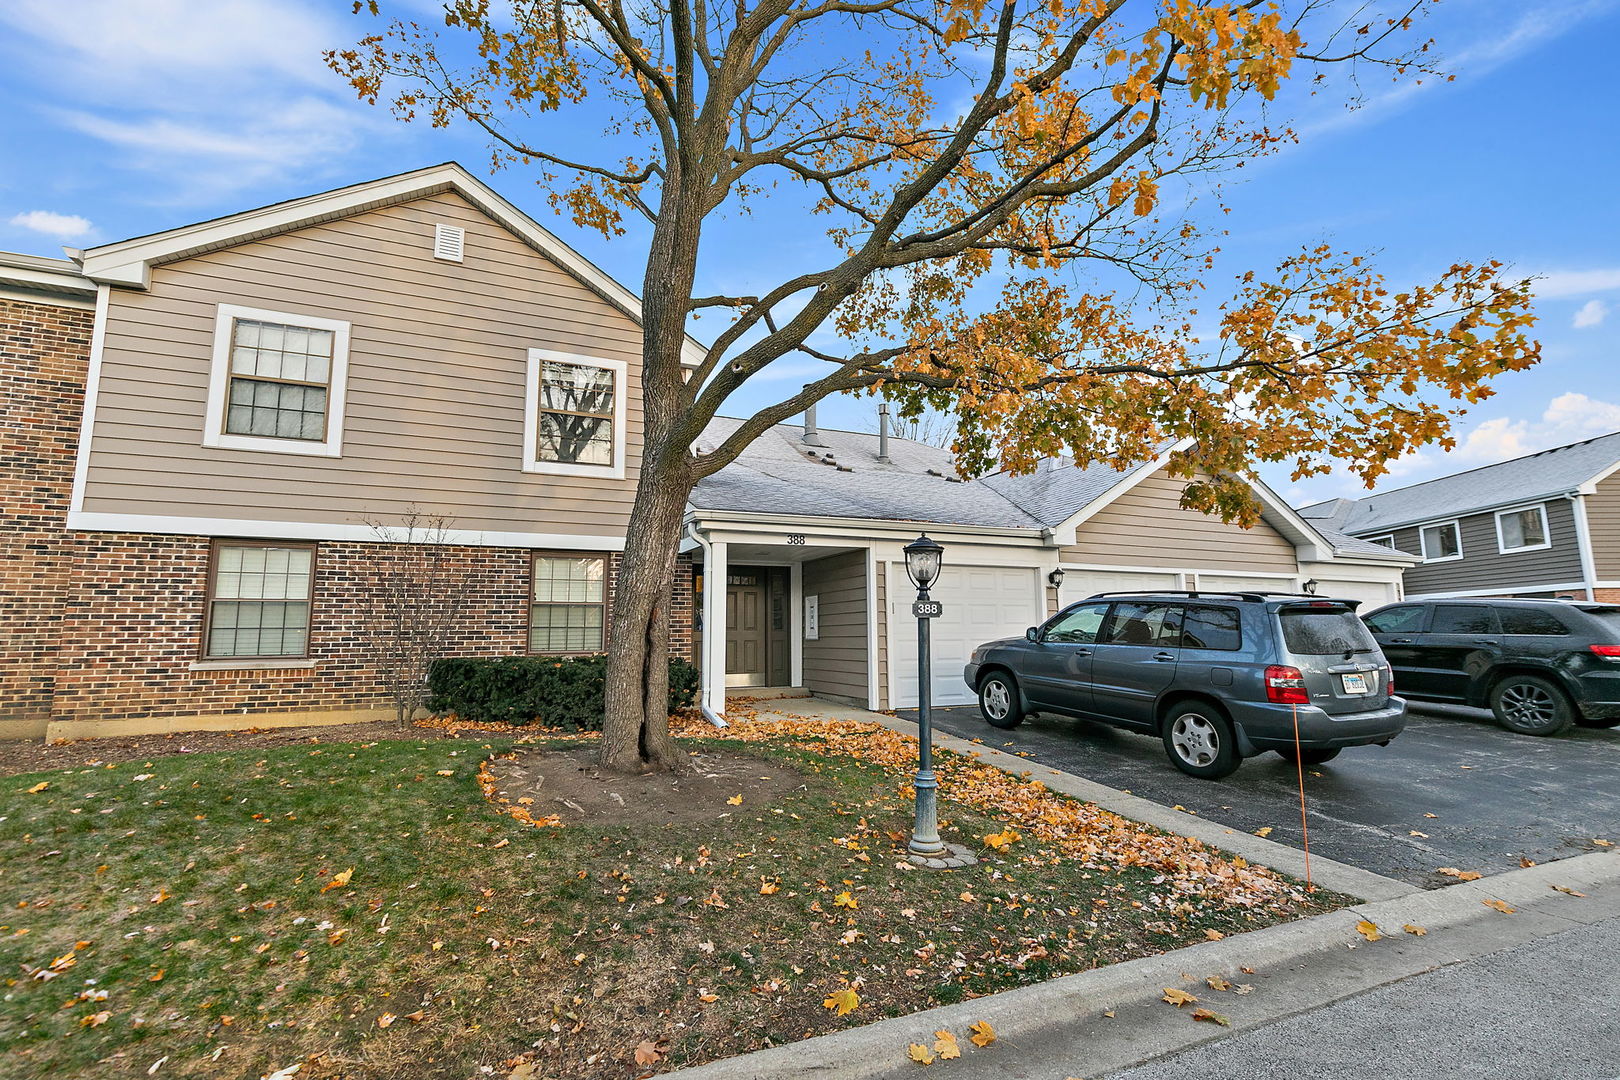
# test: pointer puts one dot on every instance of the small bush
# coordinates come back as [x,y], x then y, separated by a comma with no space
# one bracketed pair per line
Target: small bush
[561,692]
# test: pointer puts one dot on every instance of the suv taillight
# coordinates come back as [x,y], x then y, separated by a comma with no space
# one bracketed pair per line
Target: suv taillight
[1286,686]
[1608,652]
[1389,680]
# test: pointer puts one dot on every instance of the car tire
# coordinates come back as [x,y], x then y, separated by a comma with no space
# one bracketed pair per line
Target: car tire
[999,702]
[1309,756]
[1200,741]
[1531,705]
[1597,721]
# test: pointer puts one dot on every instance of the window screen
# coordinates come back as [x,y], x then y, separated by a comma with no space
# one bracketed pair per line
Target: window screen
[569,604]
[576,413]
[259,601]
[279,377]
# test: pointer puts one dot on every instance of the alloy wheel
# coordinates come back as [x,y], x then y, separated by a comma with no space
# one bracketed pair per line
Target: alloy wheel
[1528,705]
[997,699]
[1196,739]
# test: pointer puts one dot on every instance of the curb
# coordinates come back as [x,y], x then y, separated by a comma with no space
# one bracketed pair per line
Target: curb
[1310,961]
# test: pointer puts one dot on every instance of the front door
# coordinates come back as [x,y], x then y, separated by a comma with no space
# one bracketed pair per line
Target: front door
[746,629]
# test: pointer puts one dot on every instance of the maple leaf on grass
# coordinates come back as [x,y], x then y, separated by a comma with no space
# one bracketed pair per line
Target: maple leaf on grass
[842,1002]
[1002,840]
[845,900]
[339,879]
[648,1052]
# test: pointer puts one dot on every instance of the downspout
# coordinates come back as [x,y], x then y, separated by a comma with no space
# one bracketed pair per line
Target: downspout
[708,632]
[1583,541]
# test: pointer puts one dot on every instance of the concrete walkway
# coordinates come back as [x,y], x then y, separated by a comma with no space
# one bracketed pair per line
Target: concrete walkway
[1306,979]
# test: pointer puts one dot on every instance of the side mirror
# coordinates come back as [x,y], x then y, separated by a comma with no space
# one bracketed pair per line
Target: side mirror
[1032,634]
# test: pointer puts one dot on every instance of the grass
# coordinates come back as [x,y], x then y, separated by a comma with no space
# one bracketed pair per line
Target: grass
[189,908]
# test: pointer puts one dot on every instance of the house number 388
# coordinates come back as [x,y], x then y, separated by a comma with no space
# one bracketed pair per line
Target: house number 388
[795,539]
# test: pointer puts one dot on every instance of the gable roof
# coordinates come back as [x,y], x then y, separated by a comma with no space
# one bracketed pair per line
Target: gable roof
[779,473]
[38,277]
[1559,471]
[129,262]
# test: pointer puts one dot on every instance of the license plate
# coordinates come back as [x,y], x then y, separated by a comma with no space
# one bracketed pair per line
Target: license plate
[1355,684]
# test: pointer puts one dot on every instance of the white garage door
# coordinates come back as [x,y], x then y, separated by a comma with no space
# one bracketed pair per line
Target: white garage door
[1372,594]
[981,603]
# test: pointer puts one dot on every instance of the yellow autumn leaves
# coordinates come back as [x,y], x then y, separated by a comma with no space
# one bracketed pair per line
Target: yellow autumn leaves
[946,1048]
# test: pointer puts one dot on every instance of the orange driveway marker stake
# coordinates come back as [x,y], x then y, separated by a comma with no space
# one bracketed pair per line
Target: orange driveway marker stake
[1304,825]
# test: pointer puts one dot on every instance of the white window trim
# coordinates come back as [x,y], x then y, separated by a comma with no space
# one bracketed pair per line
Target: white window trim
[1387,536]
[531,417]
[219,381]
[1546,529]
[1423,541]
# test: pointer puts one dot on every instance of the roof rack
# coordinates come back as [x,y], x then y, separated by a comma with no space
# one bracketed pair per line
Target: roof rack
[1227,594]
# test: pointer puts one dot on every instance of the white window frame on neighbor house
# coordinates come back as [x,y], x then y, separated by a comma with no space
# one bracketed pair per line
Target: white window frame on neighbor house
[1423,540]
[1546,529]
[1387,540]
[531,416]
[219,384]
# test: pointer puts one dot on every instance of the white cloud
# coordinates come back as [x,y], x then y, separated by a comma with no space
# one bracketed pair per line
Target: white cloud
[212,95]
[1568,418]
[61,226]
[1560,283]
[1592,313]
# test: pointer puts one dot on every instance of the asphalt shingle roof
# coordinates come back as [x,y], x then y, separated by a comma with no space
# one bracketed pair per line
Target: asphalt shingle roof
[1536,476]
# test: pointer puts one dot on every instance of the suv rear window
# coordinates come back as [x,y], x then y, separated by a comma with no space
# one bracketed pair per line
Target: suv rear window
[1324,632]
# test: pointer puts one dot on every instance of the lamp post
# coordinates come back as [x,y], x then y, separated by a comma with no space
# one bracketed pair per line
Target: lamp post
[923,559]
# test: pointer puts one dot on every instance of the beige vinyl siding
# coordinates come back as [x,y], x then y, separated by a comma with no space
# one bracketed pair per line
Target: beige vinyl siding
[437,361]
[1147,526]
[835,663]
[882,609]
[1603,521]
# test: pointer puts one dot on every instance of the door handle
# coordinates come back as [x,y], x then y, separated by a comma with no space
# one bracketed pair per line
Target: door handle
[1081,652]
[1400,641]
[1483,641]
[1163,656]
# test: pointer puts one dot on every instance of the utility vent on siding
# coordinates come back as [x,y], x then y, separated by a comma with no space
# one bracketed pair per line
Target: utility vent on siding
[449,241]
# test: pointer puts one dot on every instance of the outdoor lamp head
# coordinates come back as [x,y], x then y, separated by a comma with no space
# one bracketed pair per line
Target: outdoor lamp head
[1311,586]
[1056,578]
[923,557]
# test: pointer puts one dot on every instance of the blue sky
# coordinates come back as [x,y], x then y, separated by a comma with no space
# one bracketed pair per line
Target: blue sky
[123,117]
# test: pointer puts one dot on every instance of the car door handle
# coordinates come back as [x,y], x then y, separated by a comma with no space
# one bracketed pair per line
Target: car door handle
[1081,652]
[1163,656]
[1400,641]
[1485,641]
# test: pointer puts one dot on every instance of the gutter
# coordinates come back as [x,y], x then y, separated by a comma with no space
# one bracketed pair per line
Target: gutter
[703,669]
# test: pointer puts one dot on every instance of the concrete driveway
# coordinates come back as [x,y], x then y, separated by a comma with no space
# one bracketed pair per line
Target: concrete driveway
[1453,790]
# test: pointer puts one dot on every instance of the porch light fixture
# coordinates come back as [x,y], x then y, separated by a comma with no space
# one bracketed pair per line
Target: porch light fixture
[1311,586]
[1055,578]
[923,557]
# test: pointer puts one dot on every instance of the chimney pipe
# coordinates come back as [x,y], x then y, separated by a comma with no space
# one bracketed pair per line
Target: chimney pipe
[812,437]
[883,432]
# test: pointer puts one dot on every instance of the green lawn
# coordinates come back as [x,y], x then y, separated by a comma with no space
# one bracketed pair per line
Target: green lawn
[187,907]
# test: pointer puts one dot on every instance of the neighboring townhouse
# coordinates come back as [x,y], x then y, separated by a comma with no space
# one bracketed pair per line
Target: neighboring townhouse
[203,427]
[1543,525]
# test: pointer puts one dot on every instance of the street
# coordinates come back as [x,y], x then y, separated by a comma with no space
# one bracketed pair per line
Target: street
[1454,790]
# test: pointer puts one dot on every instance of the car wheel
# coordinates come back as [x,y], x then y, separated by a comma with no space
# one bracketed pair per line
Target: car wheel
[1308,756]
[998,701]
[1531,705]
[1200,741]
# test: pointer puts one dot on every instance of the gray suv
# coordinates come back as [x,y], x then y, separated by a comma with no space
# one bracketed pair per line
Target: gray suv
[1218,676]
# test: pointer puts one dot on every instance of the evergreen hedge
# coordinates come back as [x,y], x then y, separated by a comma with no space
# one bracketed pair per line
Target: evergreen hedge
[560,692]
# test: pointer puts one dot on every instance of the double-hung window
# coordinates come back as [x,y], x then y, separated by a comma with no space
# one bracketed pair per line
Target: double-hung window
[568,604]
[259,600]
[1522,529]
[574,415]
[1441,542]
[278,382]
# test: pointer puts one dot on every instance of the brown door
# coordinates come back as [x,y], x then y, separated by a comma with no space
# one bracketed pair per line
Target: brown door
[745,629]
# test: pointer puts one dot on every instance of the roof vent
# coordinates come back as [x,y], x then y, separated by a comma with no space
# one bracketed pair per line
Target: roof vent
[449,242]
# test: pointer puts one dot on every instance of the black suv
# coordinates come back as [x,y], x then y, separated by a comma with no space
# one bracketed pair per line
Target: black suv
[1539,665]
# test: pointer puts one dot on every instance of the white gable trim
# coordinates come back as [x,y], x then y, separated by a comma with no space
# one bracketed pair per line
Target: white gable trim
[129,262]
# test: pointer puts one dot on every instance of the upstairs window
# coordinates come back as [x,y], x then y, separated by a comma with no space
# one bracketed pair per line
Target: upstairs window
[258,601]
[1441,542]
[574,420]
[1522,529]
[278,382]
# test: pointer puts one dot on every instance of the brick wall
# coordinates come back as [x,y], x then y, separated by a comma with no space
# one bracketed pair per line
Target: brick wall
[106,626]
[44,353]
[133,625]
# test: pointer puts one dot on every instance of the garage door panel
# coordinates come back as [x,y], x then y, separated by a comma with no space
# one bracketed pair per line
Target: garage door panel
[1371,593]
[981,603]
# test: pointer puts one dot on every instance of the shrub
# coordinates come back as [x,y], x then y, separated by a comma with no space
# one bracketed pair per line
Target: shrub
[561,692]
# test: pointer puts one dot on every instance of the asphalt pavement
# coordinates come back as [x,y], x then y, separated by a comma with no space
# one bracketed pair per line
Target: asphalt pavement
[1454,790]
[1539,1011]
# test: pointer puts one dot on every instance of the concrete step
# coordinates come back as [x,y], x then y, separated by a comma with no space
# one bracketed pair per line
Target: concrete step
[765,693]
